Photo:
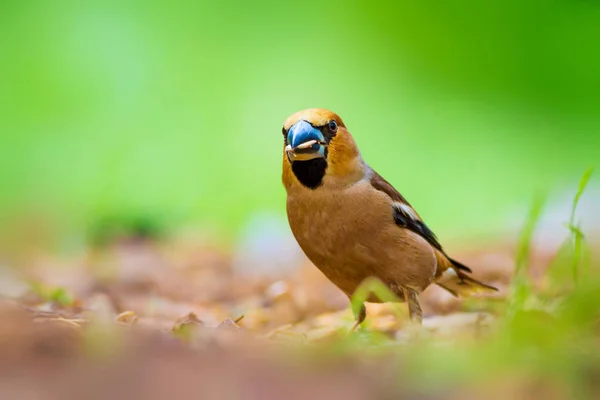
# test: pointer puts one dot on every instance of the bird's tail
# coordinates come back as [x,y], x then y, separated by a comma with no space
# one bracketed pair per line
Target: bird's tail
[455,280]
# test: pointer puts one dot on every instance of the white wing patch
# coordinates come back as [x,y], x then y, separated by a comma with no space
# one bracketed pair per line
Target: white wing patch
[407,210]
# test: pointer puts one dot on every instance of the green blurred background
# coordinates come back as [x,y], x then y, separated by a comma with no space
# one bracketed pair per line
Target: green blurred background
[173,110]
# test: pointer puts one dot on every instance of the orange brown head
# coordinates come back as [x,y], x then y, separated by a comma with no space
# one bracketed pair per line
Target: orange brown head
[318,145]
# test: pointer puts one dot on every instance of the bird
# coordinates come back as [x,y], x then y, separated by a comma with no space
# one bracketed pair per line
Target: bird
[352,224]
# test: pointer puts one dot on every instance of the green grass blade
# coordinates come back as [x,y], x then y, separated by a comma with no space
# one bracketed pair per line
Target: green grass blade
[372,286]
[577,236]
[582,185]
[521,287]
[524,244]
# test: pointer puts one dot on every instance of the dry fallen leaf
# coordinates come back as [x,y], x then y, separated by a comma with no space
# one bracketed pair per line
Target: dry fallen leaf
[127,317]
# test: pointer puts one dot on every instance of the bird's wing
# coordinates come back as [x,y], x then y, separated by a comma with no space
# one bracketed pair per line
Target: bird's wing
[406,217]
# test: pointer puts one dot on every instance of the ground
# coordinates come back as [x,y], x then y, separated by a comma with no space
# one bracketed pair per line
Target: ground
[154,319]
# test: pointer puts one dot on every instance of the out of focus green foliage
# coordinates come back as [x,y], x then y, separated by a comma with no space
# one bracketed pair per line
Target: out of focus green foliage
[58,295]
[174,108]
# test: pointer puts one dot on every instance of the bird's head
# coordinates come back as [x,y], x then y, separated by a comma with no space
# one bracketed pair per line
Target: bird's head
[318,145]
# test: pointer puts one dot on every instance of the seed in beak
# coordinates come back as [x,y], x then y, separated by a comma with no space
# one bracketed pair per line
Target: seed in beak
[305,145]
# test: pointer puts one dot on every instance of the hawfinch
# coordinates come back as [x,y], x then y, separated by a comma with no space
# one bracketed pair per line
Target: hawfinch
[352,224]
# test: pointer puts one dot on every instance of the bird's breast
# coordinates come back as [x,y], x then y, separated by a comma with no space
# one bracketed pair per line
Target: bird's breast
[341,231]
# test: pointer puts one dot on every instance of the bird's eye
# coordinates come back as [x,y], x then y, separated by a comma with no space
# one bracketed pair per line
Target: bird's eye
[332,126]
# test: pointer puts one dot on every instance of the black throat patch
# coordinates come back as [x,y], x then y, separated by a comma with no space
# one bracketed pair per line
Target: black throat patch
[310,173]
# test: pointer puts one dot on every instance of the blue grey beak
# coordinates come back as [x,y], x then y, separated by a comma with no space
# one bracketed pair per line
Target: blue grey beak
[304,142]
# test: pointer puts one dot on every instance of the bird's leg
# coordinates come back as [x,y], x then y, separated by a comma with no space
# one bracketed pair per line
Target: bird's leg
[414,308]
[360,317]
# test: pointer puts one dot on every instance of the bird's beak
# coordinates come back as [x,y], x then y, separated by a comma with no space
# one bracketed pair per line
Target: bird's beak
[304,142]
